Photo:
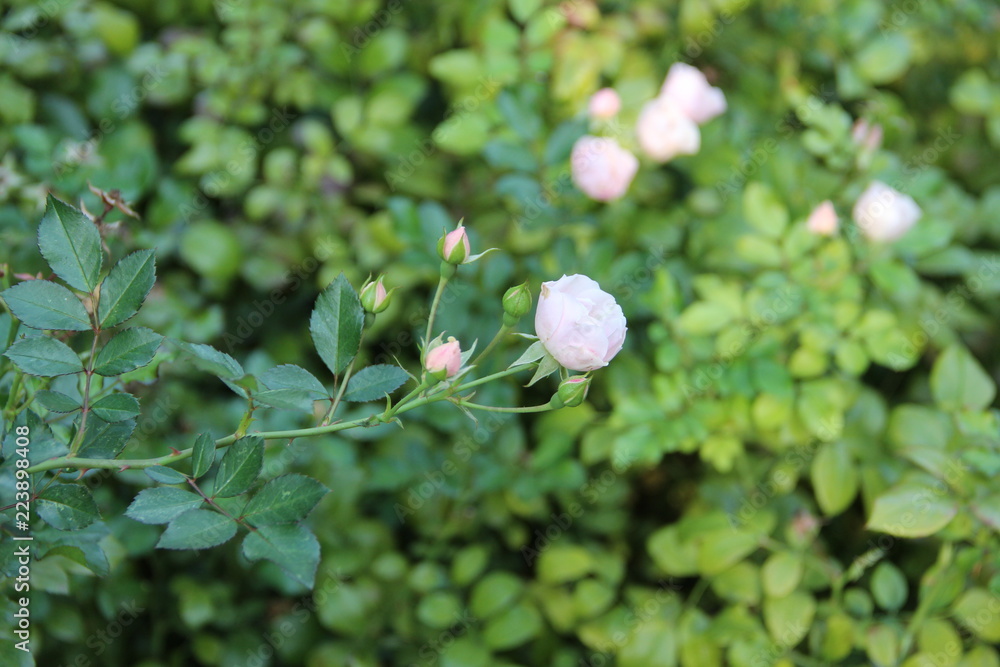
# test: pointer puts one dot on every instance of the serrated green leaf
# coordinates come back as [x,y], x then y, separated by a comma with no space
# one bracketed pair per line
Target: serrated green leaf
[197,529]
[41,304]
[284,499]
[126,287]
[88,554]
[290,387]
[374,383]
[239,467]
[55,401]
[336,324]
[211,360]
[292,547]
[71,244]
[546,367]
[44,356]
[67,507]
[165,475]
[105,440]
[203,456]
[162,504]
[116,407]
[534,352]
[126,351]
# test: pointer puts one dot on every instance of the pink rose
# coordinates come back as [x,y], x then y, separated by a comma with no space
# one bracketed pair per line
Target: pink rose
[454,246]
[664,132]
[823,219]
[687,87]
[444,360]
[604,104]
[885,214]
[602,169]
[579,324]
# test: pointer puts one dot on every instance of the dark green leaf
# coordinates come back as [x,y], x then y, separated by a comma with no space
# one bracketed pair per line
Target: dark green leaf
[290,387]
[116,407]
[336,324]
[239,467]
[88,554]
[284,499]
[374,382]
[127,351]
[958,382]
[162,504]
[211,360]
[197,529]
[67,507]
[126,287]
[41,304]
[105,440]
[71,244]
[292,547]
[44,356]
[54,401]
[165,475]
[203,456]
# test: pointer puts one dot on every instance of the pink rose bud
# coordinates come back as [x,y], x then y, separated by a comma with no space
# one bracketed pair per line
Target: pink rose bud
[688,89]
[885,214]
[866,136]
[664,131]
[823,219]
[604,104]
[374,298]
[579,324]
[454,246]
[572,391]
[602,169]
[444,360]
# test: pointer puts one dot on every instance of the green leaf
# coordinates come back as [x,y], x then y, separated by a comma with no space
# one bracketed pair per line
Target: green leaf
[162,504]
[116,407]
[71,244]
[788,619]
[126,287]
[514,627]
[54,401]
[290,387]
[211,360]
[889,587]
[239,467]
[197,529]
[546,367]
[67,507]
[41,304]
[293,548]
[764,210]
[44,356]
[912,509]
[835,478]
[165,475]
[336,324]
[884,59]
[128,350]
[88,554]
[958,382]
[284,499]
[534,352]
[105,440]
[562,563]
[203,456]
[374,383]
[782,573]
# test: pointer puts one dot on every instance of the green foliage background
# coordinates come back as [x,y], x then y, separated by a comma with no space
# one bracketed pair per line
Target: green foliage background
[792,462]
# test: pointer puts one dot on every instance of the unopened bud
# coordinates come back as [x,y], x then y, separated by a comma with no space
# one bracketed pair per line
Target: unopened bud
[443,361]
[516,304]
[572,391]
[374,298]
[454,246]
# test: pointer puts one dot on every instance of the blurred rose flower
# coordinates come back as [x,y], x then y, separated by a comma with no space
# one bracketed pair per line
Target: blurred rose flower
[604,104]
[601,168]
[823,219]
[579,324]
[867,136]
[885,214]
[664,131]
[688,89]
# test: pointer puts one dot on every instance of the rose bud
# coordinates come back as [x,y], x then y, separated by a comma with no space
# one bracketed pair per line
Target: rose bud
[602,169]
[454,246]
[516,304]
[579,324]
[885,214]
[664,131]
[688,89]
[823,219]
[374,298]
[572,392]
[866,136]
[604,104]
[444,360]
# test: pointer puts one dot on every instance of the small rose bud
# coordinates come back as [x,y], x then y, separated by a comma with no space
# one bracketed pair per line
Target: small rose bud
[374,298]
[604,104]
[454,246]
[444,360]
[572,391]
[823,219]
[516,304]
[866,136]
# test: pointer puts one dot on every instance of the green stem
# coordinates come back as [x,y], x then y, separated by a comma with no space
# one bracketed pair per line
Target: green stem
[494,408]
[343,386]
[15,389]
[403,401]
[434,306]
[504,330]
[85,409]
